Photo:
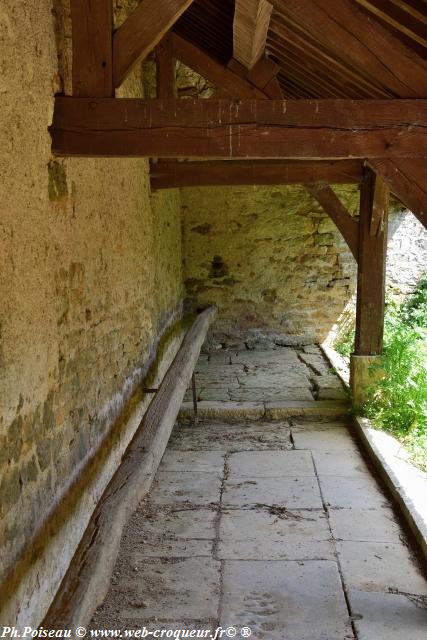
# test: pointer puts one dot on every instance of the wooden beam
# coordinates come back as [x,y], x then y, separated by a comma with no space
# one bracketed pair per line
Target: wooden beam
[371,270]
[407,179]
[332,205]
[250,27]
[142,31]
[165,69]
[361,42]
[380,206]
[92,564]
[263,76]
[221,76]
[172,174]
[92,30]
[299,129]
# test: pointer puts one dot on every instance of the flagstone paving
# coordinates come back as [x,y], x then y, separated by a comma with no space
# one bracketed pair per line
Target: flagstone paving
[276,526]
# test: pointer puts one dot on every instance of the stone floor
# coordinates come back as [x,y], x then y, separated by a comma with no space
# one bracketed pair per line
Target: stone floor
[274,375]
[275,526]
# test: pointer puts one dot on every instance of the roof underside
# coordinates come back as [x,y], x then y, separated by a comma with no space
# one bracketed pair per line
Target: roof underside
[311,66]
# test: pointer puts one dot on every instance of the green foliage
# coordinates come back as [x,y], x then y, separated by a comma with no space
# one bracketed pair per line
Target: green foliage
[345,344]
[398,402]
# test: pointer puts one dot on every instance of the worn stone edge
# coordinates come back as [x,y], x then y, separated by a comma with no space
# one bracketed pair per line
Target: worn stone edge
[86,582]
[362,425]
[268,410]
[416,523]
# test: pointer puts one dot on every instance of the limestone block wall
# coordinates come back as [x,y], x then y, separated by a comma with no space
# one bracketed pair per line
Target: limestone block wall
[90,277]
[268,257]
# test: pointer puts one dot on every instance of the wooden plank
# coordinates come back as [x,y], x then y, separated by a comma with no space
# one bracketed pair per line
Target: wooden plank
[407,179]
[165,69]
[250,27]
[142,31]
[371,273]
[332,205]
[273,89]
[221,76]
[380,206]
[92,30]
[166,175]
[263,72]
[299,129]
[86,581]
[360,42]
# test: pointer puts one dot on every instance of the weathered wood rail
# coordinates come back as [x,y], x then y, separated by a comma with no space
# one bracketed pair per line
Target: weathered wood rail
[87,579]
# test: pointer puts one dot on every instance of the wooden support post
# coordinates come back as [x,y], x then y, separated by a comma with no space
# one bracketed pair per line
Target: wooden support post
[92,25]
[165,69]
[365,366]
[372,264]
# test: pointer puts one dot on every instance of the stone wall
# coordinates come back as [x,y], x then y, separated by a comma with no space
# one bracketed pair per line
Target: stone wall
[90,277]
[270,258]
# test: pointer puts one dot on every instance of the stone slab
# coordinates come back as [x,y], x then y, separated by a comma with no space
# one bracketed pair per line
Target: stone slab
[270,394]
[379,566]
[225,410]
[215,394]
[386,616]
[331,393]
[178,590]
[268,380]
[191,487]
[330,440]
[367,525]
[255,534]
[406,484]
[333,463]
[352,493]
[290,492]
[185,461]
[326,408]
[285,600]
[270,464]
[254,436]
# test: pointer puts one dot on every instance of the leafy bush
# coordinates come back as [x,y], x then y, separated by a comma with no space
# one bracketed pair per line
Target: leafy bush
[398,402]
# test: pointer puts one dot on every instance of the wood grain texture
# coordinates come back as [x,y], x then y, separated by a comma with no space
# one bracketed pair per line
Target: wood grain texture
[250,27]
[407,179]
[87,579]
[92,30]
[166,175]
[165,69]
[142,31]
[371,273]
[361,42]
[300,129]
[332,205]
[221,76]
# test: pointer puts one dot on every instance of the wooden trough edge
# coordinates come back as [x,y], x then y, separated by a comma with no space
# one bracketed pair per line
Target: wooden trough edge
[87,579]
[364,432]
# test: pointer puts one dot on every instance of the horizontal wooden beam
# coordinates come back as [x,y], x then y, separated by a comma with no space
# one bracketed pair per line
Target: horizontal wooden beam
[300,129]
[221,76]
[142,31]
[407,179]
[332,205]
[173,174]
